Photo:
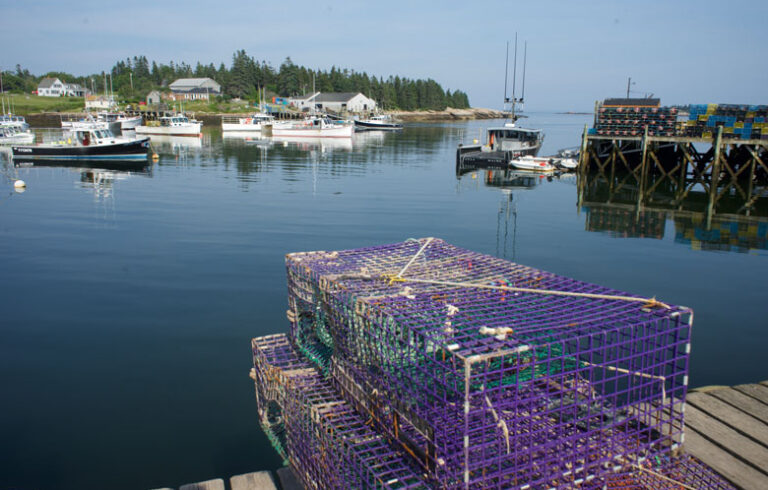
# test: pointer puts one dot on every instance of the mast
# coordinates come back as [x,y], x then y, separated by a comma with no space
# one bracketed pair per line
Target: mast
[506,73]
[514,76]
[525,58]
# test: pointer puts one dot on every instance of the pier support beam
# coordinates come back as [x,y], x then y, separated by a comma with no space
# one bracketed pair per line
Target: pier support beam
[715,176]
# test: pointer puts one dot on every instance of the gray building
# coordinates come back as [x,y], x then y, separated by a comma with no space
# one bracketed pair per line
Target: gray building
[194,88]
[153,97]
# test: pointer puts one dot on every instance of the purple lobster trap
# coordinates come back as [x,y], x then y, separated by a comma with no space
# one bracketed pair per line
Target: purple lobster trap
[328,443]
[490,374]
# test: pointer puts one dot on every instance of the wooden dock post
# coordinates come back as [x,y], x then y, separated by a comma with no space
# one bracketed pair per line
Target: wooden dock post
[715,179]
[643,173]
[583,168]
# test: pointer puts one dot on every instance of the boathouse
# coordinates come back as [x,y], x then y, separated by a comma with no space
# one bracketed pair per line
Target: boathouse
[334,101]
[194,89]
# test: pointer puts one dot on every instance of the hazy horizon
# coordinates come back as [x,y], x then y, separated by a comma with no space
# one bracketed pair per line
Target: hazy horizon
[686,52]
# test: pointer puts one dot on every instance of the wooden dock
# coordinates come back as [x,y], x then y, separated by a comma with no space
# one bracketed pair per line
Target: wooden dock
[727,429]
[723,167]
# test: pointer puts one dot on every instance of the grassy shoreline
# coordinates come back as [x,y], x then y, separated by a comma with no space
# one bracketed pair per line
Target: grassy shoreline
[25,105]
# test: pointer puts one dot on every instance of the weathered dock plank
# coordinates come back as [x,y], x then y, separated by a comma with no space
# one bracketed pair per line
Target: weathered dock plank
[755,391]
[259,480]
[217,484]
[731,416]
[727,429]
[743,402]
[288,479]
[726,437]
[730,467]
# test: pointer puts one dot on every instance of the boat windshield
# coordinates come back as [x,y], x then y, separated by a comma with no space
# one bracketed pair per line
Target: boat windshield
[513,134]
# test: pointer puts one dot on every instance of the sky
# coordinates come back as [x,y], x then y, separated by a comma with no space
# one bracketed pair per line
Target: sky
[682,51]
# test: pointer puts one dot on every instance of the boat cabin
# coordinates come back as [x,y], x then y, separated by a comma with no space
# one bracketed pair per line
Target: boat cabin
[511,138]
[87,137]
[174,121]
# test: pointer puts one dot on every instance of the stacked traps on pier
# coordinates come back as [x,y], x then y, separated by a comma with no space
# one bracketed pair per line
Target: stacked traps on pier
[738,121]
[328,443]
[489,373]
[633,120]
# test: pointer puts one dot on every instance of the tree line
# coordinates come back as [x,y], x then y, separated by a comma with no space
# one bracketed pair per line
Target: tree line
[134,77]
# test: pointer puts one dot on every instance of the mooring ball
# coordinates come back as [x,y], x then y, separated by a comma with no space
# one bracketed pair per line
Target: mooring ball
[19,184]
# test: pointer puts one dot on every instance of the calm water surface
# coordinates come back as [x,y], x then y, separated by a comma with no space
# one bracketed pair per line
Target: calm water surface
[129,298]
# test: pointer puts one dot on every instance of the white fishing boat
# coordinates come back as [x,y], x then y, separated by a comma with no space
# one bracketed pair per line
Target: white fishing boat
[15,134]
[253,122]
[533,164]
[126,122]
[315,127]
[566,163]
[171,126]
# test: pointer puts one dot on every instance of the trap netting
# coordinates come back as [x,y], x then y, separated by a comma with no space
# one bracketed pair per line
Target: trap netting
[489,373]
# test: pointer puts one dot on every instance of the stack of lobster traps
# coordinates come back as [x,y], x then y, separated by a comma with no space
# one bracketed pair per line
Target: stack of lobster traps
[423,365]
[632,117]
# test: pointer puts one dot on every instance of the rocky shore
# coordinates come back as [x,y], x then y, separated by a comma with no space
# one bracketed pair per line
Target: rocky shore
[449,114]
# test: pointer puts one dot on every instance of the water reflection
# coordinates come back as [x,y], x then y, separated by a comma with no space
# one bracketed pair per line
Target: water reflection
[618,205]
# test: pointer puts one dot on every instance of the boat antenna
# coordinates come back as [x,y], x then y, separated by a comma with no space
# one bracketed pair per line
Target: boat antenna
[525,58]
[506,74]
[514,76]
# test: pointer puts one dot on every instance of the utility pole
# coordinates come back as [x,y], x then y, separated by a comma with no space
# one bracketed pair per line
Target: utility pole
[131,75]
[629,82]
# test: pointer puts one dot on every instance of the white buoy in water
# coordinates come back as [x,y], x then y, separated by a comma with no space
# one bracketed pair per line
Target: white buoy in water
[19,184]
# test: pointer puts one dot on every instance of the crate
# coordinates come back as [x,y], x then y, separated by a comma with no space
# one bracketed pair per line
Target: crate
[489,373]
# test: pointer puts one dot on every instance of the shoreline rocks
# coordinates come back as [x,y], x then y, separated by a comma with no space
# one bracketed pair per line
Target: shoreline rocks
[449,114]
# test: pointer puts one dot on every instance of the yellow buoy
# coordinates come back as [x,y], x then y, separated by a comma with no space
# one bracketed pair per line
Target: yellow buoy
[155,156]
[474,141]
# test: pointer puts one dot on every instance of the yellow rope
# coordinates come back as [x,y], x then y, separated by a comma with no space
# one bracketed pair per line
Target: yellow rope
[647,302]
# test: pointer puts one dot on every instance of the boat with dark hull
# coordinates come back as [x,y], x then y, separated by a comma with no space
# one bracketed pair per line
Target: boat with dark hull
[86,145]
[380,122]
[503,143]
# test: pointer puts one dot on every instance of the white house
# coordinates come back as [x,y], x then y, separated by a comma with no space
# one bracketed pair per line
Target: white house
[194,88]
[75,90]
[51,87]
[334,101]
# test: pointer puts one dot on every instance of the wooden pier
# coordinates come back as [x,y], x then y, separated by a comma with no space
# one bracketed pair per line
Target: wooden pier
[727,429]
[721,167]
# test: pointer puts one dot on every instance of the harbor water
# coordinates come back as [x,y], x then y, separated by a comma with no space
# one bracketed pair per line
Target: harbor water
[129,298]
